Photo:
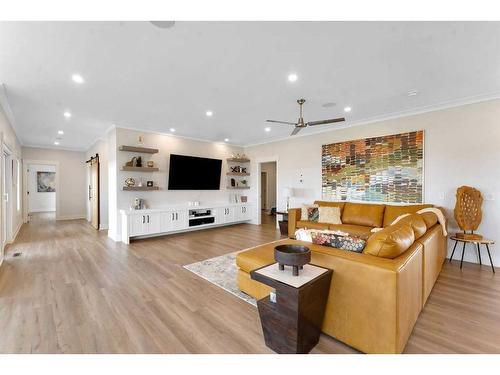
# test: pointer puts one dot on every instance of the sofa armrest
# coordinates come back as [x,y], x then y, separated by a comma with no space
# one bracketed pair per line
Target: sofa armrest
[294,215]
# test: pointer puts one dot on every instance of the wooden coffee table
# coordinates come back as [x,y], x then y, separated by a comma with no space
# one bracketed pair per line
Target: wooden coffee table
[293,323]
[482,241]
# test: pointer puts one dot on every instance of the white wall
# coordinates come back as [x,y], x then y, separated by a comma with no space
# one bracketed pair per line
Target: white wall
[101,148]
[71,193]
[270,169]
[461,148]
[167,145]
[40,202]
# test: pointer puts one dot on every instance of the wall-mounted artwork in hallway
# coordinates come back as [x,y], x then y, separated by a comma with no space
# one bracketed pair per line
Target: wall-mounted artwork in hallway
[46,182]
[379,169]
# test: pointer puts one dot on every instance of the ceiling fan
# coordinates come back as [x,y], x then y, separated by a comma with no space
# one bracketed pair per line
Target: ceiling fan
[300,124]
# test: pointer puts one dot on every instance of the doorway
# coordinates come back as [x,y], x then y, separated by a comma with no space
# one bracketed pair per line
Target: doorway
[41,186]
[93,213]
[268,192]
[7,197]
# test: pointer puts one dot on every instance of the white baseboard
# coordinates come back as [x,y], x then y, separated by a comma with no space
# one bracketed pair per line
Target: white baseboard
[70,217]
[14,236]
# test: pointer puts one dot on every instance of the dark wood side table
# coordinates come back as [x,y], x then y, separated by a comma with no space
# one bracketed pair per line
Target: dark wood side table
[293,323]
[478,243]
[283,223]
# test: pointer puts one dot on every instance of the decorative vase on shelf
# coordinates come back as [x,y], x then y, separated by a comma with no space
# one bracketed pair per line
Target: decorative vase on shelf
[140,142]
[138,161]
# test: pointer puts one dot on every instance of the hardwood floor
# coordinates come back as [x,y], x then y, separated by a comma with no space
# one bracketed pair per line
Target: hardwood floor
[73,290]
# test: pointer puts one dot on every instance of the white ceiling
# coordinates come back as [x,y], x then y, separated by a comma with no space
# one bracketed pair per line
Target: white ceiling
[141,76]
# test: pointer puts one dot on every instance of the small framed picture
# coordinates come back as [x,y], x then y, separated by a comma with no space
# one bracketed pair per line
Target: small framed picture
[149,183]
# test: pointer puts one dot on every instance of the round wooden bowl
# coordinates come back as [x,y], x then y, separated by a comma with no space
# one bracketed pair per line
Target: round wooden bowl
[292,255]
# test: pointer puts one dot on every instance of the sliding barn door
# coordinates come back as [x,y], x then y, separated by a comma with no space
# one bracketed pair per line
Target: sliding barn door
[94,193]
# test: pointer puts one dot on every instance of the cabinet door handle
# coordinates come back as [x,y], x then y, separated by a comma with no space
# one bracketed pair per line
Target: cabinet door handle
[148,219]
[172,216]
[143,219]
[176,216]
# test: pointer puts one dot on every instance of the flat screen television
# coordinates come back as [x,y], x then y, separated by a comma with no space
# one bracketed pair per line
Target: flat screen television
[193,173]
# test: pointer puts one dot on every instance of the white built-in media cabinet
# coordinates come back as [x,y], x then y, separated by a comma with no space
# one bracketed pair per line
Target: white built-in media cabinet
[175,219]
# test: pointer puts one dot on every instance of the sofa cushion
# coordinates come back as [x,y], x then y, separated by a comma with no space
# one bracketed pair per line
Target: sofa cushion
[390,242]
[417,223]
[312,224]
[348,243]
[257,257]
[331,204]
[353,230]
[393,212]
[368,215]
[430,219]
[330,215]
[310,212]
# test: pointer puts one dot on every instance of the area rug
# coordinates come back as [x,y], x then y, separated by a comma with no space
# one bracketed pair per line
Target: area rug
[221,271]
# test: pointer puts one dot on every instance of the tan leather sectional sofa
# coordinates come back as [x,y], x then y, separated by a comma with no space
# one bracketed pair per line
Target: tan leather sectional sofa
[376,296]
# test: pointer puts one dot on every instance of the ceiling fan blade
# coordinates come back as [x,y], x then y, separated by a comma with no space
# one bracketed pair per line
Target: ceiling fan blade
[296,130]
[322,122]
[282,122]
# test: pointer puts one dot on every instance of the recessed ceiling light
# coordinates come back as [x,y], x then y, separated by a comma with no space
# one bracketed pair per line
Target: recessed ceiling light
[56,143]
[328,105]
[267,129]
[209,113]
[413,93]
[347,109]
[60,132]
[172,130]
[292,77]
[77,78]
[226,139]
[163,24]
[67,114]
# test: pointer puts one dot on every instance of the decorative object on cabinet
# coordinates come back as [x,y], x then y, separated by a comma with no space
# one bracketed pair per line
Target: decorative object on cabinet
[138,162]
[131,163]
[129,182]
[468,213]
[150,163]
[233,182]
[243,198]
[144,150]
[149,183]
[139,204]
[243,170]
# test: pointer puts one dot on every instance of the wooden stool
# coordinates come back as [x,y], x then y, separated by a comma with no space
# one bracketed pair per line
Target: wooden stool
[478,242]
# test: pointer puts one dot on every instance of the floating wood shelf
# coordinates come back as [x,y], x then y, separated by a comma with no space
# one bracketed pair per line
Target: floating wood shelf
[140,169]
[234,160]
[140,188]
[143,150]
[238,187]
[237,174]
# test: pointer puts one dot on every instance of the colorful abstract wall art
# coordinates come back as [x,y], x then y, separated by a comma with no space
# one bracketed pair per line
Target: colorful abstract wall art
[378,169]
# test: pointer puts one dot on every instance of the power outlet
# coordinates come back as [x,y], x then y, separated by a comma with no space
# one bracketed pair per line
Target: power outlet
[442,195]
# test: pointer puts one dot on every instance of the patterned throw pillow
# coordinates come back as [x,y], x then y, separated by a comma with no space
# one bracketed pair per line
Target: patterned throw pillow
[348,243]
[310,213]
